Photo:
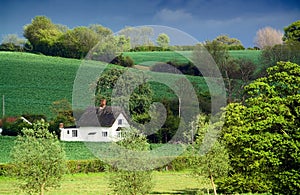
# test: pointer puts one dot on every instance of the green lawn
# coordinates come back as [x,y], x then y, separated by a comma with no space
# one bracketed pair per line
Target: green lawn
[96,183]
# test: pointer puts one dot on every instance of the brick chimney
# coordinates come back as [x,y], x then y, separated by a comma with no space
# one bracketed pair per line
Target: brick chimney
[61,125]
[102,103]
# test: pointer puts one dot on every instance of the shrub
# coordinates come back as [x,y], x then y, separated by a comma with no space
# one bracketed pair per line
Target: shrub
[121,60]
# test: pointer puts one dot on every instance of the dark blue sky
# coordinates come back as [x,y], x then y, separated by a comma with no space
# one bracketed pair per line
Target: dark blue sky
[202,19]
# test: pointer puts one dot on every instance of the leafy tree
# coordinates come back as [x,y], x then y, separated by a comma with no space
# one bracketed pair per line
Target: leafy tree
[100,30]
[138,36]
[232,70]
[108,48]
[76,43]
[12,42]
[63,113]
[121,60]
[231,43]
[292,32]
[163,40]
[42,34]
[211,158]
[131,176]
[38,158]
[262,135]
[268,37]
[128,86]
[286,52]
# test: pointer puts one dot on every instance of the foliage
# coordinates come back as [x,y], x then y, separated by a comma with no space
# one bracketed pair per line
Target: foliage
[128,86]
[209,156]
[232,70]
[163,40]
[131,175]
[12,42]
[286,52]
[138,36]
[124,61]
[13,128]
[231,43]
[76,43]
[42,34]
[292,32]
[38,158]
[268,37]
[62,110]
[262,136]
[188,68]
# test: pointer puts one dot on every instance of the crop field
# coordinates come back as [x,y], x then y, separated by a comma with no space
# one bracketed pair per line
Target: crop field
[30,83]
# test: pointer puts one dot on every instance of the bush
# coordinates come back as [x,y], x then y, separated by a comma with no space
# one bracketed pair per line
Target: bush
[13,128]
[121,60]
[186,68]
[149,48]
[86,166]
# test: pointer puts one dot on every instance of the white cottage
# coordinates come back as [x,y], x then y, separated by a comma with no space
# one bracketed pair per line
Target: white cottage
[102,124]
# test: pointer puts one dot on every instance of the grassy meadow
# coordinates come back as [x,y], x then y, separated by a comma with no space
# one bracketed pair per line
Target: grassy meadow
[97,183]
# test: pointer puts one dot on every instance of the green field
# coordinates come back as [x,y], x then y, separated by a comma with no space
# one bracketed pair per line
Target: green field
[74,150]
[30,83]
[97,183]
[149,58]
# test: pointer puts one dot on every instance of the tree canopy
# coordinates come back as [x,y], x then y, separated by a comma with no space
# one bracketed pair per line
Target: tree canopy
[292,32]
[262,135]
[38,158]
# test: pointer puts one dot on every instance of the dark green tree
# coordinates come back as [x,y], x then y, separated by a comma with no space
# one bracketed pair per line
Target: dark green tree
[262,135]
[126,85]
[292,32]
[76,43]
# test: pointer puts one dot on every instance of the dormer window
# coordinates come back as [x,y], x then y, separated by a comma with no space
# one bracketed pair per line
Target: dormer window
[120,121]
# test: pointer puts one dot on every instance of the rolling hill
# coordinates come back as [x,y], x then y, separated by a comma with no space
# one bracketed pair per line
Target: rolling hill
[30,83]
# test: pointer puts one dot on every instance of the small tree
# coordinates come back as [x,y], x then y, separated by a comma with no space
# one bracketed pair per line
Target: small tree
[38,159]
[130,176]
[212,160]
[163,40]
[268,37]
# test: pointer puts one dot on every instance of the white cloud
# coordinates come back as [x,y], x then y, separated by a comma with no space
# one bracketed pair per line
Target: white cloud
[173,16]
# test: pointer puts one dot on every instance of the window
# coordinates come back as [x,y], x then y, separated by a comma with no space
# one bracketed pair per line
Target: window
[74,133]
[120,122]
[119,132]
[104,134]
[68,132]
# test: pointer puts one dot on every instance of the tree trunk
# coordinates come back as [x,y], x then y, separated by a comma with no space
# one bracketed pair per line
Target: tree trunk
[213,184]
[42,189]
